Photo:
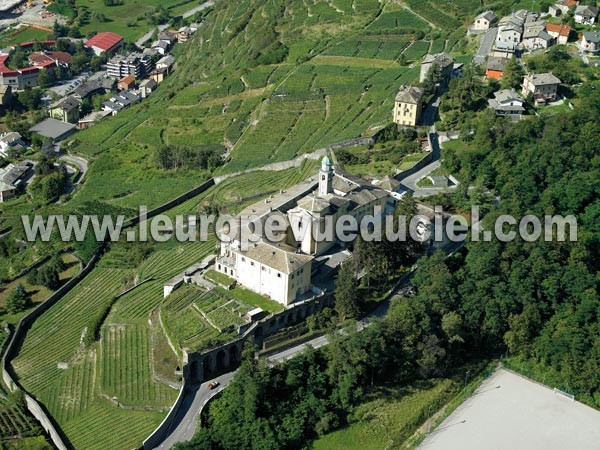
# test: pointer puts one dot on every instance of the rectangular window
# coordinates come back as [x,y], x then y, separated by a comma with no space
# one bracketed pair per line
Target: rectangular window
[278,275]
[251,263]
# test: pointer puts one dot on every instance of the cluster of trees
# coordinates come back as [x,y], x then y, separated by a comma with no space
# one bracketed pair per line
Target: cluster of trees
[49,182]
[18,300]
[538,300]
[391,144]
[48,275]
[179,157]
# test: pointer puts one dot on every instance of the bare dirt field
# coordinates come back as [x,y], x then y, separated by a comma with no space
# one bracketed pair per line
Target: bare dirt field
[509,412]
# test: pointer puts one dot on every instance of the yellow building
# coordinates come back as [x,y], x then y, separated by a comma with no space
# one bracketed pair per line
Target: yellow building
[408,106]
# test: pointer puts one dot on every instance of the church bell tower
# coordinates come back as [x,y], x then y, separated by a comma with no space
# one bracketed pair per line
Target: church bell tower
[326,177]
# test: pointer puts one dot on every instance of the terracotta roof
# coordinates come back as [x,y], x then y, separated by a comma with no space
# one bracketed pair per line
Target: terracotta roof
[104,41]
[128,79]
[561,30]
[61,57]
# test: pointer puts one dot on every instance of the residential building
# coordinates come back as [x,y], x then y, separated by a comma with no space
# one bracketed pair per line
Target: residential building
[158,75]
[586,15]
[535,36]
[183,34]
[559,32]
[92,119]
[495,67]
[507,102]
[167,36]
[9,141]
[126,83]
[194,27]
[120,101]
[106,42]
[407,106]
[543,87]
[590,41]
[93,87]
[562,7]
[161,47]
[484,21]
[166,62]
[134,64]
[508,38]
[11,177]
[66,109]
[445,63]
[53,129]
[147,87]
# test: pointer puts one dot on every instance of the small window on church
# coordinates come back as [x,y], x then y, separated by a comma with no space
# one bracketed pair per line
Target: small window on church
[323,177]
[278,275]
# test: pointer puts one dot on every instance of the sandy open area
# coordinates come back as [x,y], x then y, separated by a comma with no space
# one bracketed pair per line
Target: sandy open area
[509,412]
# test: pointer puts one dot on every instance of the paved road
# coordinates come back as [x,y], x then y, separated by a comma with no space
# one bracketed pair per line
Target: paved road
[411,181]
[190,411]
[485,46]
[141,41]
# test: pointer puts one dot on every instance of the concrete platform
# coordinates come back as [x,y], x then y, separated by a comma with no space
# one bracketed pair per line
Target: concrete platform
[509,412]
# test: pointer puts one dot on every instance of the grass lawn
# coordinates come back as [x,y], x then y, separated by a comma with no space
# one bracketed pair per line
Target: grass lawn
[127,18]
[38,293]
[388,417]
[23,34]
[218,277]
[409,161]
[252,299]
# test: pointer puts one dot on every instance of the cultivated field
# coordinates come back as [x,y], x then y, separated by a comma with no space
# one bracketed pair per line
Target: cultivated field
[509,411]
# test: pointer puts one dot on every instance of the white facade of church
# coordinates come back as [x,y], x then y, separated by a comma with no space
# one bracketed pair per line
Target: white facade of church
[282,270]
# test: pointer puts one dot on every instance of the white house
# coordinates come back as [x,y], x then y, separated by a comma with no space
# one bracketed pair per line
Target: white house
[8,141]
[535,36]
[507,102]
[484,21]
[586,15]
[559,32]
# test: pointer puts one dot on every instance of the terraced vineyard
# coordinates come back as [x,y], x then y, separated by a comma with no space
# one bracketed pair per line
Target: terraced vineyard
[126,372]
[15,421]
[195,316]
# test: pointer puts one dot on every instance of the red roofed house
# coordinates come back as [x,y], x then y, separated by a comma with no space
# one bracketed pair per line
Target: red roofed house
[48,59]
[105,42]
[126,83]
[559,32]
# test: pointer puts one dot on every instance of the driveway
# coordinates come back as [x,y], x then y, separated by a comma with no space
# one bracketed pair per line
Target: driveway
[411,181]
[485,46]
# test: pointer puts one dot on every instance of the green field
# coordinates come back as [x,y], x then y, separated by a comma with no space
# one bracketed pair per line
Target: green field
[128,17]
[23,34]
